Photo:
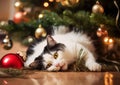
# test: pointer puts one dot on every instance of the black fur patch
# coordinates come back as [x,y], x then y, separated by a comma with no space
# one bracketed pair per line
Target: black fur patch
[38,63]
[56,47]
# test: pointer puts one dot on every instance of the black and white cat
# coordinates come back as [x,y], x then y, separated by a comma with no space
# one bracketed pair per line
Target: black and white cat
[58,51]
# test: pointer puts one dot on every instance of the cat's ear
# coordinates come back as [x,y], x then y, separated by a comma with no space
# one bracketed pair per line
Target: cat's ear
[50,41]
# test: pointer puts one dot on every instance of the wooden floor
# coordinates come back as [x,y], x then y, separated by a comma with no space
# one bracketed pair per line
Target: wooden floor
[16,47]
[58,78]
[65,78]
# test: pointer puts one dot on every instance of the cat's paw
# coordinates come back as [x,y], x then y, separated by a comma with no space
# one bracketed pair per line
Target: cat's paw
[93,66]
[53,68]
[63,65]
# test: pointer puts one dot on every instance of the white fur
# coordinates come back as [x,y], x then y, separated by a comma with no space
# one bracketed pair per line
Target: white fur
[73,42]
[38,48]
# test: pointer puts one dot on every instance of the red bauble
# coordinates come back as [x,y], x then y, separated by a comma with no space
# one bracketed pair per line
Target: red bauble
[11,60]
[18,17]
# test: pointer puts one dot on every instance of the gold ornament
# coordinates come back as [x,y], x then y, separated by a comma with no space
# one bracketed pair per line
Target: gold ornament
[69,2]
[30,39]
[109,42]
[40,32]
[2,34]
[97,8]
[102,32]
[7,43]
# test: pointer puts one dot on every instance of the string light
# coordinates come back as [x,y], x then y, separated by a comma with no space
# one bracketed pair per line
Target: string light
[40,16]
[108,40]
[17,4]
[46,4]
[102,32]
[51,0]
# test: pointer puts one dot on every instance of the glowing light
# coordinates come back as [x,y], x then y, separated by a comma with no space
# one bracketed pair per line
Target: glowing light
[51,0]
[5,82]
[18,15]
[46,4]
[40,16]
[24,13]
[6,60]
[108,40]
[108,79]
[30,39]
[17,4]
[57,0]
[3,23]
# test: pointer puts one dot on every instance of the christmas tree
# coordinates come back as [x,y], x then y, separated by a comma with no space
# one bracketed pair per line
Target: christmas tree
[96,18]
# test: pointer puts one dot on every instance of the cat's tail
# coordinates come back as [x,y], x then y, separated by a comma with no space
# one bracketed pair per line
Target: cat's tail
[61,29]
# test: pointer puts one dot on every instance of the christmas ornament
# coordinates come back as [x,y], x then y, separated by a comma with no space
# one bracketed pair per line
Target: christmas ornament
[7,43]
[3,23]
[69,2]
[20,17]
[27,41]
[109,42]
[2,34]
[40,32]
[30,39]
[97,8]
[11,60]
[102,32]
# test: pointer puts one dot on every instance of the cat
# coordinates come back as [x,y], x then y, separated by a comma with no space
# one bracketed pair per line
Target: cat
[61,49]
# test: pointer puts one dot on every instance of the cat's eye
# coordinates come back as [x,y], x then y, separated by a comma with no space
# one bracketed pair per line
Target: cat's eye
[48,65]
[55,55]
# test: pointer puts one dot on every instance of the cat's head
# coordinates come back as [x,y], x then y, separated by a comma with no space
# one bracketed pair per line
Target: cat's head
[52,57]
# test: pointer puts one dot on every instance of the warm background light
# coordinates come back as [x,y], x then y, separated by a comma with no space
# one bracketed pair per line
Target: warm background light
[40,16]
[51,0]
[108,40]
[46,4]
[17,4]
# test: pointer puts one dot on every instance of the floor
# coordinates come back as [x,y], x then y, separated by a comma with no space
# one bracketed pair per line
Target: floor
[64,78]
[16,47]
[58,78]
